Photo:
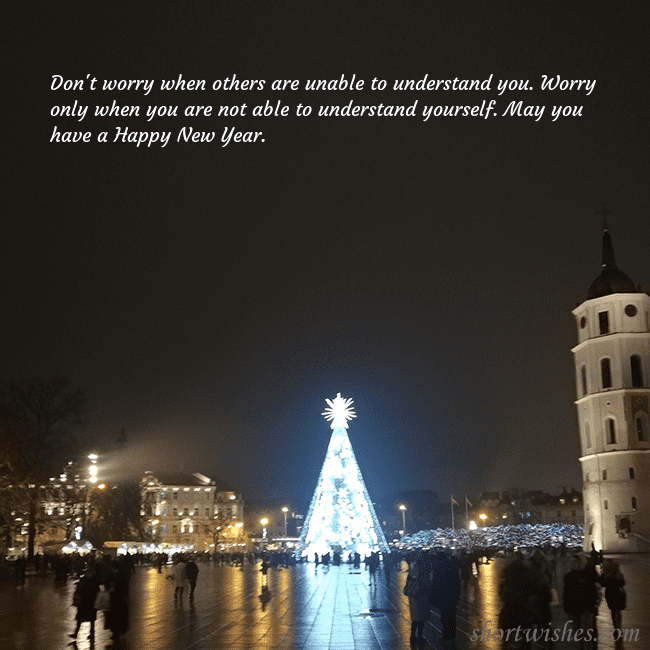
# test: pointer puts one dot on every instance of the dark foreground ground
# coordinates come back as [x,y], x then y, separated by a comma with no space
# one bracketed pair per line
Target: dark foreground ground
[310,608]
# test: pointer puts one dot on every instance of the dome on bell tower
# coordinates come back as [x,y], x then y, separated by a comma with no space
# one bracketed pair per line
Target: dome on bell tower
[611,279]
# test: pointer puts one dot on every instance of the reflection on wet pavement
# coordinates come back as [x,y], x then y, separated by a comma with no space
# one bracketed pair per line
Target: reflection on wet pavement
[304,607]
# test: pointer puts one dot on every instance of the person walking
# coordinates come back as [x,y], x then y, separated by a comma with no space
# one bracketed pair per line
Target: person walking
[116,619]
[581,597]
[84,601]
[192,572]
[445,593]
[179,576]
[418,583]
[615,596]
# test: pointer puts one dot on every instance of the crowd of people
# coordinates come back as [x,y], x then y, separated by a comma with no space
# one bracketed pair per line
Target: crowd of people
[435,578]
[104,585]
[526,591]
[497,537]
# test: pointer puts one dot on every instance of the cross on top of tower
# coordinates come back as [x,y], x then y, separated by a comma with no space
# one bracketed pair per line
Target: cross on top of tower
[604,212]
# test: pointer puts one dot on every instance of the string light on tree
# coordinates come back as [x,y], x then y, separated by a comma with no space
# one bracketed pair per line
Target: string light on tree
[341,517]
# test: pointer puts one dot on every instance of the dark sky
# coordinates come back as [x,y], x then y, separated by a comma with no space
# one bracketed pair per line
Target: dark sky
[210,298]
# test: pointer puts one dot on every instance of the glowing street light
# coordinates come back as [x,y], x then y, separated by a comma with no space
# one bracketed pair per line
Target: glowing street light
[285,510]
[483,517]
[93,467]
[403,509]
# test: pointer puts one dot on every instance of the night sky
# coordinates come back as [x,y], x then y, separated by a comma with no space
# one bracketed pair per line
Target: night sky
[209,298]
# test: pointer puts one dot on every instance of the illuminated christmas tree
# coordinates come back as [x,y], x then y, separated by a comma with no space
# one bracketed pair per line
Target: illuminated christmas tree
[341,517]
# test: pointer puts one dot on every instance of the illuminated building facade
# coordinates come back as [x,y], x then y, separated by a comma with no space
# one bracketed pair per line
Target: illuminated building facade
[188,513]
[612,364]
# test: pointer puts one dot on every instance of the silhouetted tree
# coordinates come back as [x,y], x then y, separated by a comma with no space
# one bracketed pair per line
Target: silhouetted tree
[217,526]
[37,417]
[116,515]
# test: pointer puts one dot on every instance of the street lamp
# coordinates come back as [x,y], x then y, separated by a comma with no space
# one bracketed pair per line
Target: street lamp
[403,509]
[285,510]
[483,517]
[93,467]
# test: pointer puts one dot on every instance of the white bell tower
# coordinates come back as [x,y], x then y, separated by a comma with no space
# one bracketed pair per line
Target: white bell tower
[612,361]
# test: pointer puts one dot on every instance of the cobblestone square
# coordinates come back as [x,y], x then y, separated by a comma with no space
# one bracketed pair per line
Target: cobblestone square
[319,608]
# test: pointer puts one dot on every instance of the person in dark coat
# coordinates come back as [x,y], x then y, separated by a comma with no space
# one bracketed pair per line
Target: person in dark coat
[419,608]
[192,573]
[116,619]
[525,591]
[581,596]
[445,592]
[84,601]
[615,596]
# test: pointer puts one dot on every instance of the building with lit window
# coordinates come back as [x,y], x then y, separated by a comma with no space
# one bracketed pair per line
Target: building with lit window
[187,512]
[612,365]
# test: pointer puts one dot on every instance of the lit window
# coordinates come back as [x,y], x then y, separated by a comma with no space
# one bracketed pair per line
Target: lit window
[606,373]
[637,374]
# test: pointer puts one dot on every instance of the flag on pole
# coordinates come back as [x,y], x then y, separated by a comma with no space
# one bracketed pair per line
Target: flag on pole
[468,502]
[454,501]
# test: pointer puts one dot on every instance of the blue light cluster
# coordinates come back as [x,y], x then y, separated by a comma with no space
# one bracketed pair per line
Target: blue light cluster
[341,517]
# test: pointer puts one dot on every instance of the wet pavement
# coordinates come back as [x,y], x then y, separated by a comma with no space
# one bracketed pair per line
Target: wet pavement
[310,608]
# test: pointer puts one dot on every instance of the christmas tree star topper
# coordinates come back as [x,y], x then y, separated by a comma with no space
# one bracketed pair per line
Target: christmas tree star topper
[339,411]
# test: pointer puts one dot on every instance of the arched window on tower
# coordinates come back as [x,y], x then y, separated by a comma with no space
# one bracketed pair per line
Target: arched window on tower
[603,322]
[610,431]
[637,374]
[583,378]
[606,373]
[587,435]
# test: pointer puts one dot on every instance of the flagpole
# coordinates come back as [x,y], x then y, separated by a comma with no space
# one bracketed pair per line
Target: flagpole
[452,513]
[466,512]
